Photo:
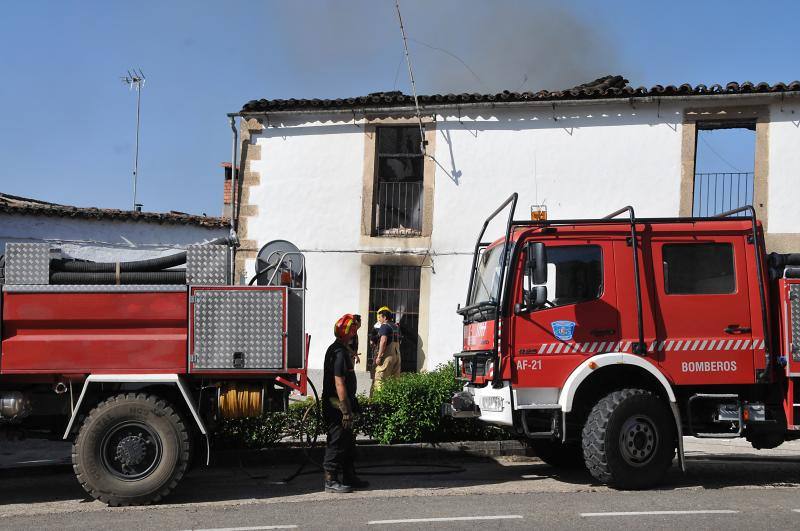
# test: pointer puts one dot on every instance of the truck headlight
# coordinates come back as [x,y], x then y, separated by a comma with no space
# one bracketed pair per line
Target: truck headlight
[492,403]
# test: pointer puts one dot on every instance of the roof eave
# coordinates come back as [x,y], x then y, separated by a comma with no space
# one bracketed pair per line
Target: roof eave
[119,216]
[390,109]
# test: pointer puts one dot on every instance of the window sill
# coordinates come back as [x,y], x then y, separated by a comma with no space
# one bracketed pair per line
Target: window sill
[400,232]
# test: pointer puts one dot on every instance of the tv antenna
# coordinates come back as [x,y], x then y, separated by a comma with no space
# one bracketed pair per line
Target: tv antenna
[423,142]
[135,80]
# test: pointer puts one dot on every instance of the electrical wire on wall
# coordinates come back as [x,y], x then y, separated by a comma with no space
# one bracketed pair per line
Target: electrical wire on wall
[392,252]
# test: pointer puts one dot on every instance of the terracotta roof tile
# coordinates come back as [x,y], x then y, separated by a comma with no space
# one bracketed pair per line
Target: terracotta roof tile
[11,204]
[605,87]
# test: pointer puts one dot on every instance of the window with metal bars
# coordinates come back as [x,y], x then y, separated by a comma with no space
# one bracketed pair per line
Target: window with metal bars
[724,167]
[398,191]
[398,288]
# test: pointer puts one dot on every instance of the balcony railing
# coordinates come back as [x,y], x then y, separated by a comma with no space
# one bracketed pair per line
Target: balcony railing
[719,192]
[398,209]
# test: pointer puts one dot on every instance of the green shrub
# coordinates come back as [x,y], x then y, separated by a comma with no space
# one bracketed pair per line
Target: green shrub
[252,432]
[367,417]
[408,409]
[404,410]
[301,419]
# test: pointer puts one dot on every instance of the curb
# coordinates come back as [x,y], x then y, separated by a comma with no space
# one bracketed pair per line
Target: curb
[368,451]
[371,452]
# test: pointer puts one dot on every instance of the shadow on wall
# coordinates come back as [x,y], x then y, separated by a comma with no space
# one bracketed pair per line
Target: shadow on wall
[567,118]
[478,121]
[453,173]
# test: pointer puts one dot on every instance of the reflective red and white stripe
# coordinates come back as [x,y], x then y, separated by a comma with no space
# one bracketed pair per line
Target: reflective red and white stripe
[668,345]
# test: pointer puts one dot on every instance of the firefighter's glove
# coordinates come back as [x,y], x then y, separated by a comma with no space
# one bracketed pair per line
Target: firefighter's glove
[347,414]
[347,421]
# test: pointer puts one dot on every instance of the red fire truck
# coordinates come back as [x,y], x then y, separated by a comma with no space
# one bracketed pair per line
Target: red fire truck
[138,362]
[604,341]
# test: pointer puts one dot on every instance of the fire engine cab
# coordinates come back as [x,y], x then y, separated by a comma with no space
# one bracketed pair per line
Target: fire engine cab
[138,362]
[604,341]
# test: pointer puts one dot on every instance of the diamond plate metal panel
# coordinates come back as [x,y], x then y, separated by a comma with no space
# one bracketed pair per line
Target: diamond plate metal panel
[231,321]
[27,263]
[96,288]
[794,296]
[207,264]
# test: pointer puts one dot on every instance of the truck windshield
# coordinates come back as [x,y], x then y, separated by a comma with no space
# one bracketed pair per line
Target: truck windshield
[486,287]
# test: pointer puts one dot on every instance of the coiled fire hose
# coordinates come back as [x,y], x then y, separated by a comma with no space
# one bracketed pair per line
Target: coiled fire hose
[311,441]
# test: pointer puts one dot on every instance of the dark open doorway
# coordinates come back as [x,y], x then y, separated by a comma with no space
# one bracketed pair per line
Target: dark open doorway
[398,288]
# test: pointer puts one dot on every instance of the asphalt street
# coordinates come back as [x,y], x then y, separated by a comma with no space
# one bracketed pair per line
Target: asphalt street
[727,485]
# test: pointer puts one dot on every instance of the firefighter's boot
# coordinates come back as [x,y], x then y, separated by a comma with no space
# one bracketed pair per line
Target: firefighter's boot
[332,483]
[352,480]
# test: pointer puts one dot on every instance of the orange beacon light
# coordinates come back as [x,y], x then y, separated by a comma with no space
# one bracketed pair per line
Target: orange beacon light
[538,213]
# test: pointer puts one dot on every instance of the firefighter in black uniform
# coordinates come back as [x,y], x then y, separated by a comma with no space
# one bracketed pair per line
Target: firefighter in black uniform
[339,404]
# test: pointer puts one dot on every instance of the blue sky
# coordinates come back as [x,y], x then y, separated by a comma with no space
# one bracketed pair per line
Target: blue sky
[67,126]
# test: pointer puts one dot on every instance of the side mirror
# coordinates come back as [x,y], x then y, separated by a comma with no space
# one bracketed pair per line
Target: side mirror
[534,299]
[536,261]
[537,297]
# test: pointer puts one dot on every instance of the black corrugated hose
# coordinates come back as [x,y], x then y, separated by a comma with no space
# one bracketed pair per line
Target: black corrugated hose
[137,277]
[152,264]
[780,263]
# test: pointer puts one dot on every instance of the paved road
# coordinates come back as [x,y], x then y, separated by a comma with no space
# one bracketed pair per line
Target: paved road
[727,485]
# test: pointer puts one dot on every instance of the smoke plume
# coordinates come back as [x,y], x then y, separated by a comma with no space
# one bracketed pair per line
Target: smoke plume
[456,46]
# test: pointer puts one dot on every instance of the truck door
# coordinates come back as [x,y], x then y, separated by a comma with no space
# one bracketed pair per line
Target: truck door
[580,320]
[703,318]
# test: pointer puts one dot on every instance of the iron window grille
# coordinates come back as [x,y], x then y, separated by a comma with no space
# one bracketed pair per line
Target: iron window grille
[398,191]
[719,192]
[398,288]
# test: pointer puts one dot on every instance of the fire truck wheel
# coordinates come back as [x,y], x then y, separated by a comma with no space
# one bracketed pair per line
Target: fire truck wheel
[132,449]
[629,439]
[558,454]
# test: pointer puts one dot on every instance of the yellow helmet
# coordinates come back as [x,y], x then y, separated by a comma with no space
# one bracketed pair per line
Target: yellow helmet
[384,309]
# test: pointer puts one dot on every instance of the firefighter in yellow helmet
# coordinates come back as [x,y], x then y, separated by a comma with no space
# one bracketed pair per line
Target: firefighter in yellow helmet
[387,359]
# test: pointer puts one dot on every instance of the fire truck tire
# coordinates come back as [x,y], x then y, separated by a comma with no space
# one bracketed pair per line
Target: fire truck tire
[132,449]
[558,454]
[629,439]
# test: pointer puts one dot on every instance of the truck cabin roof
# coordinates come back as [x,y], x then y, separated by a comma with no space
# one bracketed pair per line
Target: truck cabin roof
[678,227]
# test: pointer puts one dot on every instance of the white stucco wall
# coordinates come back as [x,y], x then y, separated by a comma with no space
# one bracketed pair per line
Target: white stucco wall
[104,240]
[588,162]
[310,191]
[581,161]
[784,168]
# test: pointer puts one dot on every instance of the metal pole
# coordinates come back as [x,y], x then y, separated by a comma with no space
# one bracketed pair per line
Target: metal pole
[234,162]
[411,77]
[136,157]
[234,192]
